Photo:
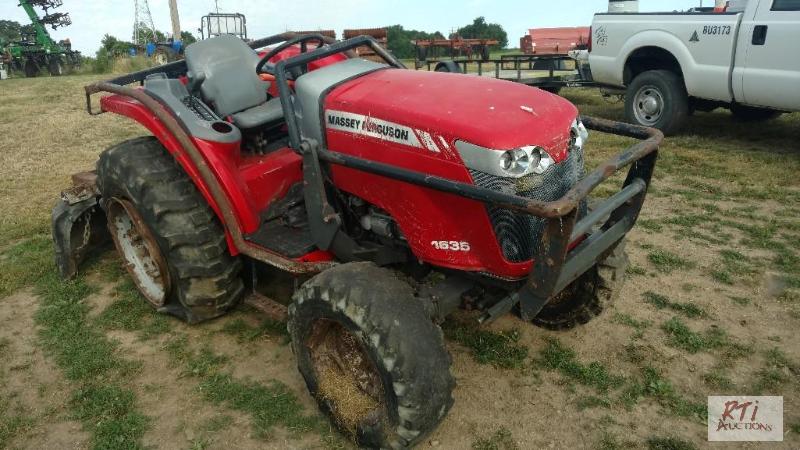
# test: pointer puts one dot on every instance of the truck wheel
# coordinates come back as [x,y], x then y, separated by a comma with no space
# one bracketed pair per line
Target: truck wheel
[31,68]
[657,98]
[587,296]
[169,238]
[448,66]
[751,114]
[370,355]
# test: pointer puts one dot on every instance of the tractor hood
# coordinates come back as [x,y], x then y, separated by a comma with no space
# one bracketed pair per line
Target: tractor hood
[422,106]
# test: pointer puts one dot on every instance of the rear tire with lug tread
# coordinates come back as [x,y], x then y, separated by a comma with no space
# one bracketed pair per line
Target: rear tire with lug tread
[390,384]
[203,278]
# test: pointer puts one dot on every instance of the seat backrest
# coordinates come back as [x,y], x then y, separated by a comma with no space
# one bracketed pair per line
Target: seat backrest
[229,66]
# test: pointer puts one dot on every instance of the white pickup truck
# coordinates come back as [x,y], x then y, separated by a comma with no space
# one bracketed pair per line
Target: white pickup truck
[671,64]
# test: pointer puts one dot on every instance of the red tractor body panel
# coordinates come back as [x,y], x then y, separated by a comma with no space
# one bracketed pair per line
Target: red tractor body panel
[493,114]
[251,182]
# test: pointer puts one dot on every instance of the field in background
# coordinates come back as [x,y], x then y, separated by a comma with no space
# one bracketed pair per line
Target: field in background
[710,307]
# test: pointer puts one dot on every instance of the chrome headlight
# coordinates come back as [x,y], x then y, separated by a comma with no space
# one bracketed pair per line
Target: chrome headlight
[514,163]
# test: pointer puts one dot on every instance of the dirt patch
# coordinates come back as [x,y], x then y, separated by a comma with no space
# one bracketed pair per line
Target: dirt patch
[31,384]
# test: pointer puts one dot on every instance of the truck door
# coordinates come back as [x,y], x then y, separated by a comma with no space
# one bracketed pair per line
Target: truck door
[767,69]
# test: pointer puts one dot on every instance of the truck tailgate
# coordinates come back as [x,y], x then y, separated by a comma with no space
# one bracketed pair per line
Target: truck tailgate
[703,44]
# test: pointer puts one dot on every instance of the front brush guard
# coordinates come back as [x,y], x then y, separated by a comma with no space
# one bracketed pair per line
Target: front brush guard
[78,224]
[555,265]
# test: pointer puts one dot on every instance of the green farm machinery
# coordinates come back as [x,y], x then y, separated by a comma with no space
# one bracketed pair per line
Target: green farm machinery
[36,50]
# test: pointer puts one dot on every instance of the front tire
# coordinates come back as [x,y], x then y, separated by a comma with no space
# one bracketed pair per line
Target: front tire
[169,238]
[587,296]
[370,355]
[658,99]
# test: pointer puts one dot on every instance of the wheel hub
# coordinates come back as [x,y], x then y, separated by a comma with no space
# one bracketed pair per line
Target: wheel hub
[139,250]
[648,105]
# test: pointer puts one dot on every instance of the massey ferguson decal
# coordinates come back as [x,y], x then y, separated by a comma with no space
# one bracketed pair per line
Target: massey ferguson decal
[380,129]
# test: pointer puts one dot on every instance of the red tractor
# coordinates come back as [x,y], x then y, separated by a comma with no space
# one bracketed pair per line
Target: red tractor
[361,179]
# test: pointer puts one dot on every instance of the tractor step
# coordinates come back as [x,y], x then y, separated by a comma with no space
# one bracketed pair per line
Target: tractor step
[288,241]
[272,309]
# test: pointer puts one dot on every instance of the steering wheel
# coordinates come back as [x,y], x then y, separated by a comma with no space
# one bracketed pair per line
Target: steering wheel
[298,40]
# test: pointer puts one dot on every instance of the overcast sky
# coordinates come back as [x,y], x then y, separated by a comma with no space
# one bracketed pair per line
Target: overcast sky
[92,19]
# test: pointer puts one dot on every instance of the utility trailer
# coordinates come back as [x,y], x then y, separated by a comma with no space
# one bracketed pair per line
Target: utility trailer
[455,47]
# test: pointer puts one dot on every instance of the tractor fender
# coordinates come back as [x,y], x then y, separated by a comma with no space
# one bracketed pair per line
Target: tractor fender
[78,224]
[212,152]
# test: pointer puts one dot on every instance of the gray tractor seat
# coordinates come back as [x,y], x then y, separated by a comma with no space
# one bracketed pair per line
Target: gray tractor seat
[231,83]
[272,111]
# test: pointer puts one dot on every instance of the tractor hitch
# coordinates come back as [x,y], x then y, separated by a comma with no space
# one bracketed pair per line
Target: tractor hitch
[78,224]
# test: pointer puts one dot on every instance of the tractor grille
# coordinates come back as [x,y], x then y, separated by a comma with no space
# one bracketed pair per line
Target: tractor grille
[519,235]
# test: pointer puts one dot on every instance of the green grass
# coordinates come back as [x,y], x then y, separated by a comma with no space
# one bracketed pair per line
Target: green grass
[106,408]
[501,349]
[593,401]
[668,262]
[773,375]
[268,405]
[626,319]
[244,332]
[689,310]
[650,225]
[635,270]
[681,336]
[24,263]
[722,276]
[131,312]
[610,441]
[741,301]
[638,325]
[733,265]
[651,384]
[556,356]
[110,412]
[11,424]
[669,443]
[716,379]
[499,440]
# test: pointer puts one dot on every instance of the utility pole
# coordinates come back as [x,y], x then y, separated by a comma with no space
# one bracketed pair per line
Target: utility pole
[176,21]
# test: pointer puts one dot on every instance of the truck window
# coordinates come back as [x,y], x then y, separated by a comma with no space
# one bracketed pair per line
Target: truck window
[786,5]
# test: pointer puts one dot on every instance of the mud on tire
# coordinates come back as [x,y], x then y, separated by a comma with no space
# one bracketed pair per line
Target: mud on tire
[587,296]
[370,355]
[204,277]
